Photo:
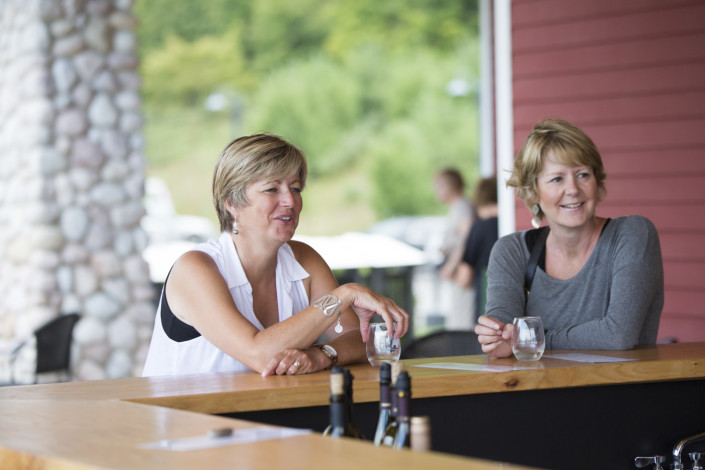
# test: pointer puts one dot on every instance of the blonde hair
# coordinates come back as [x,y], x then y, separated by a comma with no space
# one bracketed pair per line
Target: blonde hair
[569,146]
[246,160]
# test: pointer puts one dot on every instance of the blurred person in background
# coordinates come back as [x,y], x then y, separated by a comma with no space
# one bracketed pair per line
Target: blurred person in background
[472,270]
[456,301]
[253,299]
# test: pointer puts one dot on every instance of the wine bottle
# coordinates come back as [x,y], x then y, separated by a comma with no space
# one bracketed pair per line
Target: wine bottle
[338,406]
[420,433]
[391,431]
[351,429]
[385,401]
[403,391]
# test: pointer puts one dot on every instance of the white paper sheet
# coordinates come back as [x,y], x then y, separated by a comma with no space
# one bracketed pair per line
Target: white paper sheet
[580,357]
[474,367]
[240,436]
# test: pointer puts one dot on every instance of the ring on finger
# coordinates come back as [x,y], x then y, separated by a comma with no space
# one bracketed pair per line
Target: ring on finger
[297,364]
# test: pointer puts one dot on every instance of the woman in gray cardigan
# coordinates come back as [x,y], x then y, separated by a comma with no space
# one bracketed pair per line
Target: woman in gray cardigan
[599,282]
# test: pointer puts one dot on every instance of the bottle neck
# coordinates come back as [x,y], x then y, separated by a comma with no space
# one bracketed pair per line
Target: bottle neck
[338,411]
[403,405]
[385,397]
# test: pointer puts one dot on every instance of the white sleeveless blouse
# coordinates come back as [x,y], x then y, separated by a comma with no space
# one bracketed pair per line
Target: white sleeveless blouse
[198,355]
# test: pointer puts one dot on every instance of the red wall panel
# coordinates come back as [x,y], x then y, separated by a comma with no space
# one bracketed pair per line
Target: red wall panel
[632,75]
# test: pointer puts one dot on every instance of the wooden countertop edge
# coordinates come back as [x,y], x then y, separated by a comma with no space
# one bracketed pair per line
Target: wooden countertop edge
[428,382]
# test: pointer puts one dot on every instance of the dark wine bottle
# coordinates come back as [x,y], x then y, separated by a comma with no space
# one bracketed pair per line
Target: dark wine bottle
[392,426]
[385,401]
[338,406]
[403,391]
[352,430]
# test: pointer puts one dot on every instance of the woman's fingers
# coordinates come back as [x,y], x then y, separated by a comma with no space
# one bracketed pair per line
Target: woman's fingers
[288,362]
[366,304]
[271,367]
[491,323]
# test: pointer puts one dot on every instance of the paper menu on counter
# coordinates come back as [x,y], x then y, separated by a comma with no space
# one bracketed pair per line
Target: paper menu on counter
[239,436]
[474,367]
[581,357]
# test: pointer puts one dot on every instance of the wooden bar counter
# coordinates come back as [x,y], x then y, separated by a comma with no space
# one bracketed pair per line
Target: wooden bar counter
[485,414]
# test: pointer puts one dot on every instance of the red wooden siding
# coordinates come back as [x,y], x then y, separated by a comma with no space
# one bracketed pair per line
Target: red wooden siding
[632,75]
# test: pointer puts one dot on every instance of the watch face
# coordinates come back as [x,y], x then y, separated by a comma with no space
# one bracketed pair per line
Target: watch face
[328,349]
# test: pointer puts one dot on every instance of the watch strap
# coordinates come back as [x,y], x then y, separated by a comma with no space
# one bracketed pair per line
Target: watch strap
[332,357]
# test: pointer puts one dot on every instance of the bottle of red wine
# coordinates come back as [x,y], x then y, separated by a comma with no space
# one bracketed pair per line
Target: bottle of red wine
[352,430]
[338,406]
[385,401]
[403,390]
[392,426]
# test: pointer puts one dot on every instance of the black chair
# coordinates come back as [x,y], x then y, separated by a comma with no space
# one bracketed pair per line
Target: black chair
[53,344]
[442,343]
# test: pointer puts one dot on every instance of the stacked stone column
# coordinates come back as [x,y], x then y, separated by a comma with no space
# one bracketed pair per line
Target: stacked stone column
[72,181]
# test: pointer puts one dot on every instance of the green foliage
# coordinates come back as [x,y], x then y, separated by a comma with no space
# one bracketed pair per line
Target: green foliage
[401,25]
[186,72]
[281,31]
[188,21]
[359,85]
[405,157]
[312,103]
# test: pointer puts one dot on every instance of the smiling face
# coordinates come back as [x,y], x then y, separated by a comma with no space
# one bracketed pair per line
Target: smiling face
[273,209]
[567,195]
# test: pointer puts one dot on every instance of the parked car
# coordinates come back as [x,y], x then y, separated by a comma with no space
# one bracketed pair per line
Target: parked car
[163,224]
[170,234]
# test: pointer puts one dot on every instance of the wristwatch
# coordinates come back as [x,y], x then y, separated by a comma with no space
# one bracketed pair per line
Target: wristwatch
[329,352]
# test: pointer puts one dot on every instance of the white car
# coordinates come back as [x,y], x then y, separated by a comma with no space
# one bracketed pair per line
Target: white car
[163,224]
[170,234]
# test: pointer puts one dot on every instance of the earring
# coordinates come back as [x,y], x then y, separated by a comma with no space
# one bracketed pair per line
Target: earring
[235,230]
[535,220]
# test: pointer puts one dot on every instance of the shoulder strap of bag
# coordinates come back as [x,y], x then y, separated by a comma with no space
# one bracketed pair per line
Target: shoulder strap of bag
[536,251]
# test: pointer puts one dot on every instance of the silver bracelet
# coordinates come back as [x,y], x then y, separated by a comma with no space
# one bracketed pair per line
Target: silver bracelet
[329,305]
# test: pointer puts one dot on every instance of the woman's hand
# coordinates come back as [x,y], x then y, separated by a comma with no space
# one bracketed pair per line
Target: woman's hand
[494,336]
[367,303]
[296,361]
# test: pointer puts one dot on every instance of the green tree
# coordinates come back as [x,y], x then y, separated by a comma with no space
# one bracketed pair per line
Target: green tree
[312,102]
[401,25]
[186,72]
[278,32]
[359,85]
[189,21]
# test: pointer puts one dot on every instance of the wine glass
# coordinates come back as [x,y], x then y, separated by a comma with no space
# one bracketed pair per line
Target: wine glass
[381,347]
[528,339]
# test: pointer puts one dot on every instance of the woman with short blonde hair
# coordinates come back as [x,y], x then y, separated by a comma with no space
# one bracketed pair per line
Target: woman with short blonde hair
[599,282]
[254,299]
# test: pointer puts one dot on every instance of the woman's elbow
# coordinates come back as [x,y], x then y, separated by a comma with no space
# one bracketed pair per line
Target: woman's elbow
[622,343]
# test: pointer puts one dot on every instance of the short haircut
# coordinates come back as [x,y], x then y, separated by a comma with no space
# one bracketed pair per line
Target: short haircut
[453,178]
[568,144]
[248,159]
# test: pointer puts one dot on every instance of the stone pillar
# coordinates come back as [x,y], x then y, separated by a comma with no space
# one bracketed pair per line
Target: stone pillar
[72,181]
